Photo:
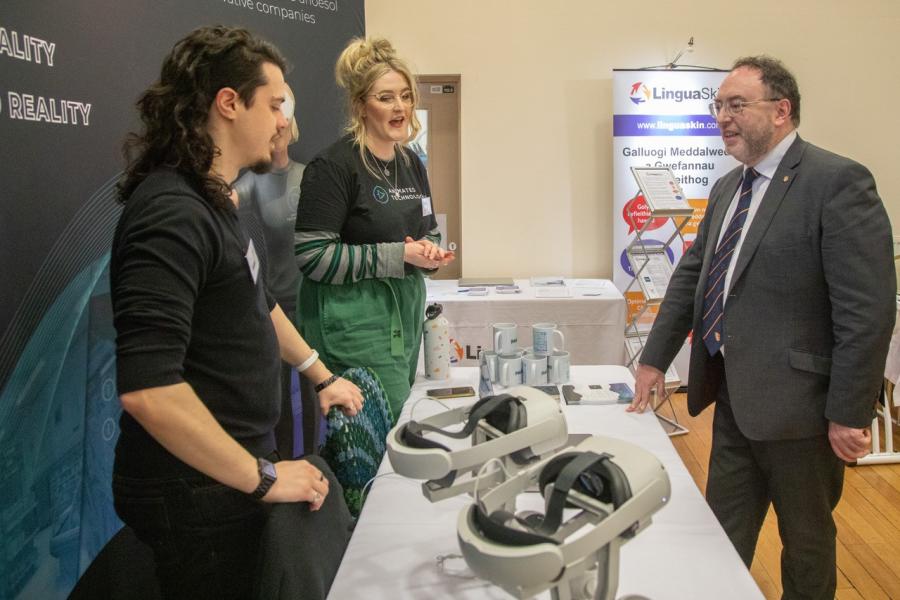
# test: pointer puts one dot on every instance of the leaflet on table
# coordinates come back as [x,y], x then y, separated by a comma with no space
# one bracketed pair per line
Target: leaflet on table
[662,191]
[592,394]
[656,272]
[634,345]
[437,289]
[547,281]
[593,287]
[592,283]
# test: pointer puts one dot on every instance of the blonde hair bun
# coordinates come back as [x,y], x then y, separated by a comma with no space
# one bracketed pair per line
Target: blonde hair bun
[358,57]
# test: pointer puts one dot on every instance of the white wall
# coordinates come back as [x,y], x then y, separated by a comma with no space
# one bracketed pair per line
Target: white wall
[536,102]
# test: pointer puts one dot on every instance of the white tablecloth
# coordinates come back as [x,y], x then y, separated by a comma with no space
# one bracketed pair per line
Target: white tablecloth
[592,318]
[683,554]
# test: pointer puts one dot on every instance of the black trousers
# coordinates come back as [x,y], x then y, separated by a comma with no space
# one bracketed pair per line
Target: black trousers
[212,541]
[802,478]
[204,535]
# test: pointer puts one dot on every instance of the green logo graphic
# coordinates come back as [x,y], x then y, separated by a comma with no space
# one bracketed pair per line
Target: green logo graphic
[380,194]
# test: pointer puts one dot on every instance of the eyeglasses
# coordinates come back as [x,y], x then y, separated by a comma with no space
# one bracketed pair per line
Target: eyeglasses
[389,99]
[735,106]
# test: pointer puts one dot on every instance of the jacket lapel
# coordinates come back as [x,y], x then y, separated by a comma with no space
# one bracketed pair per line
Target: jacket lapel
[768,207]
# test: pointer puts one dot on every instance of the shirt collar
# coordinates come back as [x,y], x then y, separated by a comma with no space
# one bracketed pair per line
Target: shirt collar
[770,161]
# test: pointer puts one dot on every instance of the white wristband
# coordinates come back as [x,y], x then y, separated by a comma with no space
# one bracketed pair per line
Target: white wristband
[308,362]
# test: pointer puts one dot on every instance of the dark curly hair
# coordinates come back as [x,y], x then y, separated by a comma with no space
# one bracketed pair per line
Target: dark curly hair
[174,110]
[775,76]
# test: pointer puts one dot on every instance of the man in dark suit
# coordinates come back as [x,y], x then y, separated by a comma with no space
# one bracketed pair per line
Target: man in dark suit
[789,289]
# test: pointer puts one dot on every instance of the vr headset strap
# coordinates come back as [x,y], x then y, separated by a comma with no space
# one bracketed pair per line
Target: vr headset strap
[479,411]
[564,482]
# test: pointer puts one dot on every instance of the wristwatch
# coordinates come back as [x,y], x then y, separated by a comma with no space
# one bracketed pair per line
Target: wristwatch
[267,477]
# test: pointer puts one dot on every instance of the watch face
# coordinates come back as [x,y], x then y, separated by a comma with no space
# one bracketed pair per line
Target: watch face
[267,469]
[267,477]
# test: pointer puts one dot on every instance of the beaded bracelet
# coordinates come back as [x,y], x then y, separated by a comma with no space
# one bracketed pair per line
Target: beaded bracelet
[326,383]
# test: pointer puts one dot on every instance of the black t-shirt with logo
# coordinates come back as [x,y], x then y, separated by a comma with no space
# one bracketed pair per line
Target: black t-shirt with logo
[340,195]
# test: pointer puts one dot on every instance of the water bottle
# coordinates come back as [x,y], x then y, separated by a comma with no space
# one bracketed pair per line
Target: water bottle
[436,332]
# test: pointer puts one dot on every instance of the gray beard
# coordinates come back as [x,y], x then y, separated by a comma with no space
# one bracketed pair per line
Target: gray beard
[757,145]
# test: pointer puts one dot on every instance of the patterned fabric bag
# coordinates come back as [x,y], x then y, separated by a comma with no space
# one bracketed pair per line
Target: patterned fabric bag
[354,446]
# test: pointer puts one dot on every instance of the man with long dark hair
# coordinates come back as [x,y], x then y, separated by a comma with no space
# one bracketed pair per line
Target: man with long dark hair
[199,339]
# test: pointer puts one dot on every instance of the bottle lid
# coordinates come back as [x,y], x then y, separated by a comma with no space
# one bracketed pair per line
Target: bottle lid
[433,311]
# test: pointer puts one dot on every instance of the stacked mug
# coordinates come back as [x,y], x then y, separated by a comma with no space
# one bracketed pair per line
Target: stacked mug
[541,364]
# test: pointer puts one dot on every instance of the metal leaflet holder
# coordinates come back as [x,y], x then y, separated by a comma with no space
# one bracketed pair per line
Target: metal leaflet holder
[518,427]
[614,486]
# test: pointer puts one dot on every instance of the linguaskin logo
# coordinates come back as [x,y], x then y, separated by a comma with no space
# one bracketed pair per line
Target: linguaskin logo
[639,93]
[380,194]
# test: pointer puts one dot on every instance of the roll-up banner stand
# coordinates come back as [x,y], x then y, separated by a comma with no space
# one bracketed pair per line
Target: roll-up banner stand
[70,73]
[662,119]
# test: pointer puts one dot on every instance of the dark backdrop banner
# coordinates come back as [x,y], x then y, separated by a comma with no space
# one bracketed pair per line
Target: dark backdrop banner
[70,73]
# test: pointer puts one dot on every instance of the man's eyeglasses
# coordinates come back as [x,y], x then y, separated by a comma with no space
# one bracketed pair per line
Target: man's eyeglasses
[735,106]
[389,99]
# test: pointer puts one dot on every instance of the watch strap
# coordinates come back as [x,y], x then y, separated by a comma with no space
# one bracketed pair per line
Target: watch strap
[267,478]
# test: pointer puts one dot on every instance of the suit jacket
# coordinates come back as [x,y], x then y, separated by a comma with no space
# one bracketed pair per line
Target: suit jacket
[809,314]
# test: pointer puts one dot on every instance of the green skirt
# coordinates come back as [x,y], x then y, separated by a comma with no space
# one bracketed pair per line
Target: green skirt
[375,323]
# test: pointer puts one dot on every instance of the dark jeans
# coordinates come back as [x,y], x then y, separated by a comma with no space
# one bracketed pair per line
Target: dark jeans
[204,535]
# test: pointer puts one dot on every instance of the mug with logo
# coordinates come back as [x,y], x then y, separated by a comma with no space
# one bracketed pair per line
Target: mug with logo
[509,369]
[558,366]
[534,369]
[542,336]
[506,337]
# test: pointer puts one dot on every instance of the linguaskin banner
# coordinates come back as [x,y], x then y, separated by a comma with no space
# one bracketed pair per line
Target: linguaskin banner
[662,119]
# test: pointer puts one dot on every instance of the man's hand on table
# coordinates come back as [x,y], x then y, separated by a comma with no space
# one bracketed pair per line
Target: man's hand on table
[647,380]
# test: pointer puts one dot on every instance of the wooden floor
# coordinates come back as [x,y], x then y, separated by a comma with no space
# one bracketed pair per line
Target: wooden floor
[868,519]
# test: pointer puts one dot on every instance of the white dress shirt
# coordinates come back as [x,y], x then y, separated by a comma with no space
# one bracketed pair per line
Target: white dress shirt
[766,169]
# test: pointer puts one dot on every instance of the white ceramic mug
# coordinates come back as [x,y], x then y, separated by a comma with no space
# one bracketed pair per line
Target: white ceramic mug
[542,336]
[558,366]
[506,337]
[534,369]
[509,369]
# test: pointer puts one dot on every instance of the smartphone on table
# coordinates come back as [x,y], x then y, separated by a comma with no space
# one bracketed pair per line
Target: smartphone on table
[451,392]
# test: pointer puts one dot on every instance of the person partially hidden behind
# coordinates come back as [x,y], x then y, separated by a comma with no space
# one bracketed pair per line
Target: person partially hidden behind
[267,207]
[199,339]
[789,289]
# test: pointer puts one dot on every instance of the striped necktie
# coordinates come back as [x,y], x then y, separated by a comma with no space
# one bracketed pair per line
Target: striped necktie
[713,306]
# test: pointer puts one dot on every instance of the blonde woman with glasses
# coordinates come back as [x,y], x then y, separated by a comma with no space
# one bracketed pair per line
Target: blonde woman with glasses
[366,231]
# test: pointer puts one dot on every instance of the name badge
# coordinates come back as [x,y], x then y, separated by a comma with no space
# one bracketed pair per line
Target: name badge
[252,262]
[426,206]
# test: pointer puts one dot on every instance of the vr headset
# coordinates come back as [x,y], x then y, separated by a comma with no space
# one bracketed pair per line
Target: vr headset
[614,486]
[518,427]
